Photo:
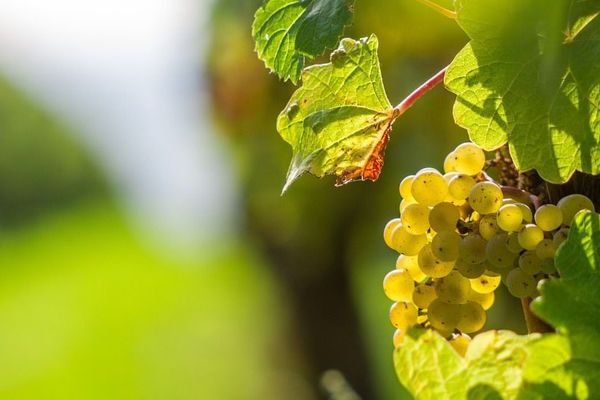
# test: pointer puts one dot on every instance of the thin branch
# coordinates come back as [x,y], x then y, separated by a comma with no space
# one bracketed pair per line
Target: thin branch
[420,91]
[442,10]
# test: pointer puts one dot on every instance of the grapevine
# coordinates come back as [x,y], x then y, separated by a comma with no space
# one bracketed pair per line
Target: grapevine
[516,205]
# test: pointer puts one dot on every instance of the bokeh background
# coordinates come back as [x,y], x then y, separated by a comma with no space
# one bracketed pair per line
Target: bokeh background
[145,250]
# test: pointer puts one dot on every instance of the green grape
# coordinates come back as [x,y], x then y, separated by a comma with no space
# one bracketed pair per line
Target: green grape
[403,315]
[530,263]
[572,204]
[460,186]
[513,243]
[410,264]
[387,231]
[445,245]
[548,217]
[453,288]
[472,317]
[406,243]
[443,217]
[508,200]
[429,188]
[424,295]
[470,271]
[497,252]
[405,203]
[450,163]
[431,265]
[443,316]
[415,219]
[488,227]
[398,285]
[530,236]
[548,266]
[486,300]
[520,284]
[460,343]
[405,186]
[486,283]
[526,211]
[398,338]
[509,218]
[560,236]
[469,159]
[472,249]
[444,332]
[485,198]
[545,249]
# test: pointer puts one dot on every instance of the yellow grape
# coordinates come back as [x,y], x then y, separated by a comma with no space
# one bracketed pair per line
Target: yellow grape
[509,218]
[445,245]
[545,249]
[513,243]
[443,217]
[497,252]
[460,343]
[398,285]
[387,231]
[472,249]
[530,263]
[405,186]
[560,236]
[403,315]
[424,295]
[469,159]
[429,187]
[431,265]
[450,163]
[415,219]
[548,217]
[410,264]
[486,300]
[485,198]
[443,316]
[453,288]
[572,204]
[405,203]
[472,317]
[486,283]
[520,284]
[460,186]
[398,338]
[530,236]
[526,211]
[470,271]
[488,227]
[406,243]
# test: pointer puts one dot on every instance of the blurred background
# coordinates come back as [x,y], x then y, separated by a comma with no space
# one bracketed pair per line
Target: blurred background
[145,250]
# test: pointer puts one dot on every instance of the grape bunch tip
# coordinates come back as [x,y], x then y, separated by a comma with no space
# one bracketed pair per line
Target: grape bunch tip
[459,237]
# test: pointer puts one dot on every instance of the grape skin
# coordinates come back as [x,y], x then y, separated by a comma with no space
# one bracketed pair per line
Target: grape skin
[398,337]
[424,295]
[405,187]
[410,264]
[509,218]
[443,216]
[429,188]
[472,317]
[485,198]
[470,271]
[545,249]
[520,284]
[572,204]
[406,243]
[469,159]
[498,254]
[548,217]
[387,231]
[560,236]
[472,249]
[453,288]
[485,283]
[486,300]
[432,266]
[445,245]
[443,316]
[530,236]
[403,315]
[460,343]
[415,219]
[530,263]
[398,285]
[488,227]
[460,186]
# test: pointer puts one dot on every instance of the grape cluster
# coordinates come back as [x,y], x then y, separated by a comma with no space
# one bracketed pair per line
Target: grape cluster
[460,236]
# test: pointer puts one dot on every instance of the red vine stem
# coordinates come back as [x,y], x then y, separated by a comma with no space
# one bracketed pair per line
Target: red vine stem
[444,11]
[418,92]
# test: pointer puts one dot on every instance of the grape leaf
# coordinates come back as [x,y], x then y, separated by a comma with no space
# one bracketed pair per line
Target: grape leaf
[572,305]
[530,76]
[338,121]
[492,368]
[287,31]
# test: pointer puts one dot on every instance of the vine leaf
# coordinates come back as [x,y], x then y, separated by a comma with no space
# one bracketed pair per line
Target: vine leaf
[572,305]
[530,76]
[287,31]
[338,122]
[492,368]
